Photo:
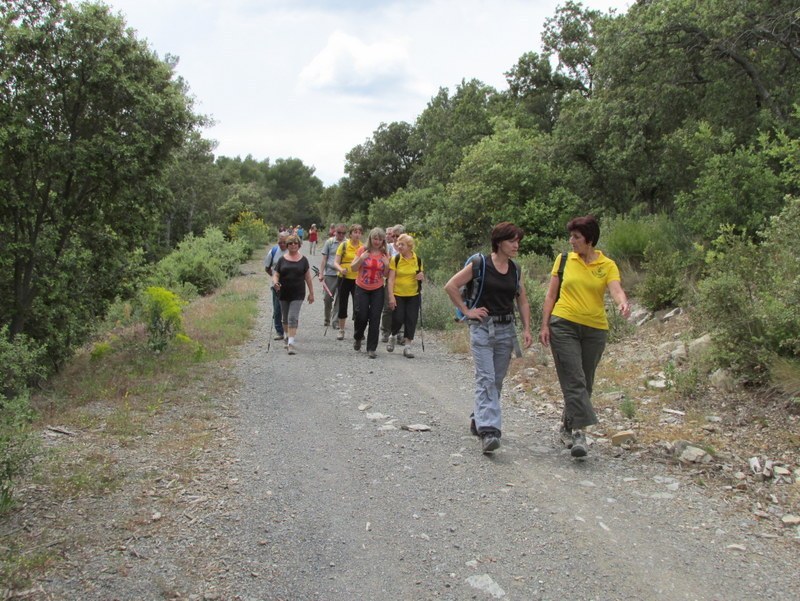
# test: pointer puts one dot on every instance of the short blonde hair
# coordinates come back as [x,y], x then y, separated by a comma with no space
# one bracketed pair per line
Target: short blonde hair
[407,240]
[293,238]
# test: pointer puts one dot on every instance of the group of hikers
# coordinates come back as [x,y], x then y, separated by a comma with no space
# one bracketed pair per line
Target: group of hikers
[384,277]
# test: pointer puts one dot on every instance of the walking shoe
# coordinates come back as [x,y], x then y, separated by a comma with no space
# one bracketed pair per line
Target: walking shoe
[357,344]
[579,446]
[372,354]
[390,344]
[290,349]
[327,324]
[340,335]
[278,337]
[401,340]
[489,442]
[565,436]
[408,353]
[385,338]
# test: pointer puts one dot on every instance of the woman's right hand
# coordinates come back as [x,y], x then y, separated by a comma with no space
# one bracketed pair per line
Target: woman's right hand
[392,302]
[478,313]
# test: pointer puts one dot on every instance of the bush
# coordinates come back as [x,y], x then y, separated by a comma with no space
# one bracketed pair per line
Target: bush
[664,282]
[627,238]
[203,262]
[21,363]
[163,311]
[749,299]
[437,309]
[16,443]
[251,231]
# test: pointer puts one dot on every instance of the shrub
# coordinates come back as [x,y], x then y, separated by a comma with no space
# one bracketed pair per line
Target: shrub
[21,363]
[16,443]
[749,299]
[203,262]
[437,310]
[251,231]
[664,281]
[163,311]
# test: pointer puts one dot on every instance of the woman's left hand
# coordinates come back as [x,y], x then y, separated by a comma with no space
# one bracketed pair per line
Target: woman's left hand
[310,297]
[625,309]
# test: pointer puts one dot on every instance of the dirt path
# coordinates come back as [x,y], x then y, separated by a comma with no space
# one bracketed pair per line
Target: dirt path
[312,488]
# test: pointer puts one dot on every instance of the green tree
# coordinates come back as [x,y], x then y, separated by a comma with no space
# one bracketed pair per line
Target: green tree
[89,118]
[380,166]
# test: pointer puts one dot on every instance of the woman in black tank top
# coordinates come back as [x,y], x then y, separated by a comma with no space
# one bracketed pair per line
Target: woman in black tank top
[493,333]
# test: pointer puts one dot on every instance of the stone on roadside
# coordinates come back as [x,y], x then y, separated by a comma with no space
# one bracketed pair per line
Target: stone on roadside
[686,452]
[722,379]
[623,437]
[790,520]
[700,346]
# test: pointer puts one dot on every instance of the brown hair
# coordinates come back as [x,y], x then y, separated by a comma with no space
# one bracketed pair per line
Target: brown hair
[505,231]
[587,226]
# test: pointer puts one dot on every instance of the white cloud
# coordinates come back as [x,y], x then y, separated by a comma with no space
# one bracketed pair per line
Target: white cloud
[351,67]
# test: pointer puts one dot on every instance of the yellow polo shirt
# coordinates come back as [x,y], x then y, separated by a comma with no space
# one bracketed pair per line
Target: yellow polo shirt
[347,252]
[584,288]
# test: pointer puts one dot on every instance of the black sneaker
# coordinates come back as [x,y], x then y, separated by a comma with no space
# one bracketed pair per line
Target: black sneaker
[490,442]
[579,446]
[565,436]
[357,344]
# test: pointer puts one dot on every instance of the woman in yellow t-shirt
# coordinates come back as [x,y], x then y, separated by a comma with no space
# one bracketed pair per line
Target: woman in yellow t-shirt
[574,324]
[344,259]
[405,284]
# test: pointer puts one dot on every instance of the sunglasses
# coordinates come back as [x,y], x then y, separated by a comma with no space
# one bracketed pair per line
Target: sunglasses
[292,243]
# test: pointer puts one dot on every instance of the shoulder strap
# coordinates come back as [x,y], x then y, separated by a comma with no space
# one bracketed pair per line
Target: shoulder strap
[517,273]
[480,277]
[561,265]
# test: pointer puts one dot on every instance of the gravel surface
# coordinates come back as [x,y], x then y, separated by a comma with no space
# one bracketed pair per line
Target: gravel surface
[311,487]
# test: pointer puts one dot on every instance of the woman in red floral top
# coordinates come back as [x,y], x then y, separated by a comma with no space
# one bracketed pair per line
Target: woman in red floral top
[372,265]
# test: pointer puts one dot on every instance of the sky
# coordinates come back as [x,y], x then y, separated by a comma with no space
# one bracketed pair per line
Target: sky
[311,79]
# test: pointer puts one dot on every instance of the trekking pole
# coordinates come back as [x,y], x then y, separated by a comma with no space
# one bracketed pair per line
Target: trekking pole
[421,324]
[271,322]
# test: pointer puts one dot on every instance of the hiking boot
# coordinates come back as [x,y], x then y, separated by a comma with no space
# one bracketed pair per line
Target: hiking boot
[290,349]
[408,353]
[340,335]
[278,337]
[390,344]
[372,354]
[490,442]
[327,324]
[357,344]
[565,436]
[579,446]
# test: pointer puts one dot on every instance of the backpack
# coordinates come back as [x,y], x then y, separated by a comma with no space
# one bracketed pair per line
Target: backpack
[271,255]
[471,292]
[419,268]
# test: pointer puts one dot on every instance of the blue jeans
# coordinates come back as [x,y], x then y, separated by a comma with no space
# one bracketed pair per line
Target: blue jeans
[276,312]
[491,344]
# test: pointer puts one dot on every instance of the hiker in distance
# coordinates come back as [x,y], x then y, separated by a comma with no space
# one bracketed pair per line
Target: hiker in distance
[491,325]
[290,277]
[328,274]
[270,260]
[404,293]
[372,266]
[575,326]
[347,282]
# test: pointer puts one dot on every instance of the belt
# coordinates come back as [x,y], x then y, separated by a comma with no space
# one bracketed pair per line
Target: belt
[494,319]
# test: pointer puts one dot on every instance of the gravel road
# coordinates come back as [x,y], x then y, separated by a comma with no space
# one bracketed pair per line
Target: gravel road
[337,501]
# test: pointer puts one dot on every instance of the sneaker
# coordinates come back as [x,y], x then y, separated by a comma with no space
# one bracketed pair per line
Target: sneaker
[327,324]
[565,436]
[579,446]
[372,354]
[340,335]
[408,353]
[278,337]
[489,442]
[290,349]
[390,344]
[385,338]
[357,344]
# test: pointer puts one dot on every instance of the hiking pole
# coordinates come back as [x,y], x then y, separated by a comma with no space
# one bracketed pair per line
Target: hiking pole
[271,322]
[421,324]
